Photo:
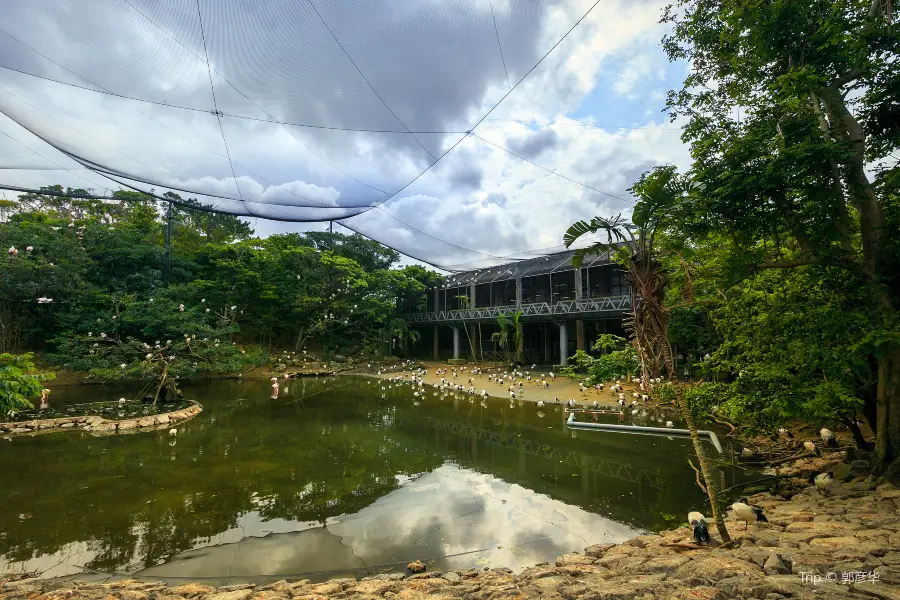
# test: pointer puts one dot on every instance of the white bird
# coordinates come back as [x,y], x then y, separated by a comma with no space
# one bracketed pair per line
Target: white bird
[122,401]
[785,433]
[746,513]
[746,452]
[540,404]
[173,432]
[810,446]
[699,527]
[824,482]
[484,394]
[670,424]
[571,403]
[828,437]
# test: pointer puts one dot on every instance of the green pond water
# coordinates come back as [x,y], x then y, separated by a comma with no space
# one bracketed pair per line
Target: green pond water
[332,476]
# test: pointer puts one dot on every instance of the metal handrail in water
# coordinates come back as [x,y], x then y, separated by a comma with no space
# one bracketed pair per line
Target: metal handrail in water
[571,423]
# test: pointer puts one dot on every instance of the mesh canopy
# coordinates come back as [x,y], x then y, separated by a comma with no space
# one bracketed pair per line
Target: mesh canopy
[360,112]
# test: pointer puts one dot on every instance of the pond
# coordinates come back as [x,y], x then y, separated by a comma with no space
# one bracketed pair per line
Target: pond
[333,476]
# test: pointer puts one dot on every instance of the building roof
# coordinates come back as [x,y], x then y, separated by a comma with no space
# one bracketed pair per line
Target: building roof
[541,265]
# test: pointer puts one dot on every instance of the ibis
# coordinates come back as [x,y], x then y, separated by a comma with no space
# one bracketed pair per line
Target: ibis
[746,513]
[824,482]
[699,527]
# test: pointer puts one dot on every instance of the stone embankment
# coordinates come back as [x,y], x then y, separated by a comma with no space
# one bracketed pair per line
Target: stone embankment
[843,546]
[99,425]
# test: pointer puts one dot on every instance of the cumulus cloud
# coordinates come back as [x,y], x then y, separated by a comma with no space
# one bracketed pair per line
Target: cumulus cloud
[431,67]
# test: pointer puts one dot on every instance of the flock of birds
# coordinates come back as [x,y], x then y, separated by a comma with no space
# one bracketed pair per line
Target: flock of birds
[743,511]
[516,382]
[827,436]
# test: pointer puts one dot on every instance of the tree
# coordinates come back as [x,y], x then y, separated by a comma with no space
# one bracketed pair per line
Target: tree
[634,244]
[790,106]
[19,379]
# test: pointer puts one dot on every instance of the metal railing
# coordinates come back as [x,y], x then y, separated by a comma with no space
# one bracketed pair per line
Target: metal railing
[606,304]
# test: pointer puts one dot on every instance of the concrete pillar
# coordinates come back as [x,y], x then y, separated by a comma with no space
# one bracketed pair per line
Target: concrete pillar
[455,342]
[563,344]
[579,291]
[472,296]
[545,329]
[518,291]
[436,344]
[579,334]
[437,293]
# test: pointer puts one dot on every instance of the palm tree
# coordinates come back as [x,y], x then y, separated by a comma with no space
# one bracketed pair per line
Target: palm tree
[519,337]
[507,321]
[633,244]
[501,338]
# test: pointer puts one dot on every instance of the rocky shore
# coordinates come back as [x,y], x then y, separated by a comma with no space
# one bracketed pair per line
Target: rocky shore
[840,546]
[98,425]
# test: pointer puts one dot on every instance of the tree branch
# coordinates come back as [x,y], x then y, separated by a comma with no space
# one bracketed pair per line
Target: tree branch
[790,264]
[854,73]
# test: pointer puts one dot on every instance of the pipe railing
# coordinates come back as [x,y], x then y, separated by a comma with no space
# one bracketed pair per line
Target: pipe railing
[571,423]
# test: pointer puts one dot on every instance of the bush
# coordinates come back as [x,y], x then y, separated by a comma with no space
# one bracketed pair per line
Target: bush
[19,379]
[619,360]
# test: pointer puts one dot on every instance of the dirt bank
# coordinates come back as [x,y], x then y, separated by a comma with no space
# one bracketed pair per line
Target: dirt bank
[560,387]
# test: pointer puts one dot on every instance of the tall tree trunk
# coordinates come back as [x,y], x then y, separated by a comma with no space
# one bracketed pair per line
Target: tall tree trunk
[856,432]
[887,436]
[871,215]
[662,331]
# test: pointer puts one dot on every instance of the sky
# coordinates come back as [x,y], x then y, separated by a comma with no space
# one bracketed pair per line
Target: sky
[354,111]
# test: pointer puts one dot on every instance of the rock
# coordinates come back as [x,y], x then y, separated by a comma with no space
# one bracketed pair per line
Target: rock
[126,425]
[597,550]
[416,567]
[161,419]
[774,565]
[832,542]
[567,560]
[712,568]
[860,465]
[373,587]
[429,575]
[268,595]
[327,589]
[233,595]
[843,472]
[192,590]
[663,564]
[452,577]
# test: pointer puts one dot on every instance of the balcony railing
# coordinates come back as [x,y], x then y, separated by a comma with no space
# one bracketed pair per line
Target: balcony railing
[606,304]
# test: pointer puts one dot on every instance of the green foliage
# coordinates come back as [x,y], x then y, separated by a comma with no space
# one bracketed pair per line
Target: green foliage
[19,380]
[619,358]
[98,266]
